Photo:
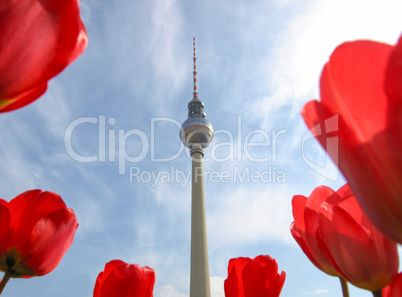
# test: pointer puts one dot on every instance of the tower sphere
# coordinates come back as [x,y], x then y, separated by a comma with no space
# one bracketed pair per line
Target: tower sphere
[196,130]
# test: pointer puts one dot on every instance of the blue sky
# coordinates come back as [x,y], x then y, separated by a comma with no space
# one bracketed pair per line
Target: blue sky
[108,125]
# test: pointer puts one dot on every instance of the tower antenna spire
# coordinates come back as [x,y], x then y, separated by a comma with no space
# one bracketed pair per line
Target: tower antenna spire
[195,106]
[195,94]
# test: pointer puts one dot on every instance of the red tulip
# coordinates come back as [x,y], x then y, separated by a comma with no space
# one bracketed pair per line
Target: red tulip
[305,227]
[256,277]
[38,39]
[124,280]
[358,251]
[362,85]
[36,229]
[394,289]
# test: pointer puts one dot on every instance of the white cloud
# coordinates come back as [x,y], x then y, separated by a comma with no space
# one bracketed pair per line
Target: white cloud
[169,67]
[171,194]
[400,253]
[168,291]
[19,175]
[304,46]
[53,108]
[317,292]
[89,214]
[216,283]
[217,289]
[246,214]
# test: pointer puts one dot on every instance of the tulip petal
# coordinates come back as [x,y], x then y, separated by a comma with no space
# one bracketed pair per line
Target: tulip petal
[256,277]
[269,265]
[4,226]
[393,86]
[29,207]
[298,206]
[276,286]
[24,98]
[232,283]
[254,280]
[148,278]
[42,202]
[306,249]
[109,267]
[51,237]
[317,197]
[276,281]
[36,229]
[5,233]
[395,288]
[369,126]
[304,228]
[345,199]
[122,279]
[114,285]
[39,38]
[351,84]
[345,239]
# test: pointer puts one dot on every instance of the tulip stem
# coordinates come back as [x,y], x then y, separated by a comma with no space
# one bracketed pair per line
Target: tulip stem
[345,289]
[377,294]
[5,279]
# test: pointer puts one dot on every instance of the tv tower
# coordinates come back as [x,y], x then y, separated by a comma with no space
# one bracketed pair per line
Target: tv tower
[196,133]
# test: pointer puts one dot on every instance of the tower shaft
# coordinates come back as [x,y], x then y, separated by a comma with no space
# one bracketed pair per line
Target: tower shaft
[199,275]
